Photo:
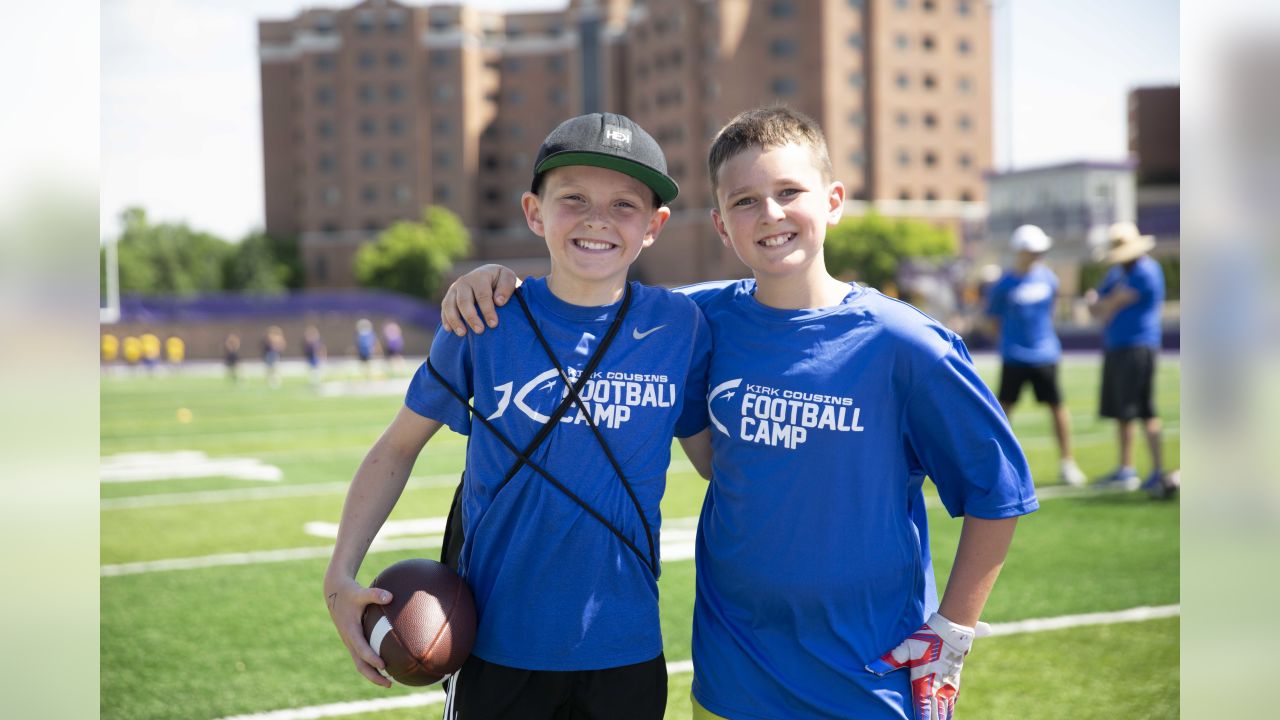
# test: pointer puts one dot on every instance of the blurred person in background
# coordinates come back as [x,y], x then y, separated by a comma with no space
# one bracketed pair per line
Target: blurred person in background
[231,356]
[1128,302]
[393,346]
[1020,310]
[314,349]
[366,343]
[273,345]
[175,351]
[150,351]
[110,349]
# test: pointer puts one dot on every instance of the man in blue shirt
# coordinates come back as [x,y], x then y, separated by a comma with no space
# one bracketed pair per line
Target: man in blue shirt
[1128,301]
[1021,307]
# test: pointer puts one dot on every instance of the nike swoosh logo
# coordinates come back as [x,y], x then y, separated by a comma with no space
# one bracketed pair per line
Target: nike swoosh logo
[635,332]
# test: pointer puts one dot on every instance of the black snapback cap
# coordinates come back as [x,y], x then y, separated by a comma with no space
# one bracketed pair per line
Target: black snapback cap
[609,141]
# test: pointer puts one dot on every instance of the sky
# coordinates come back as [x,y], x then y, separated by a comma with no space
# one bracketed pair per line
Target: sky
[180,108]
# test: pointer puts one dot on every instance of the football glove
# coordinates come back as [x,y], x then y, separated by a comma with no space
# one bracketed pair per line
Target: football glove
[934,655]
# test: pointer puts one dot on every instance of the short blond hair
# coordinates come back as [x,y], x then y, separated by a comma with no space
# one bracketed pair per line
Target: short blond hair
[767,127]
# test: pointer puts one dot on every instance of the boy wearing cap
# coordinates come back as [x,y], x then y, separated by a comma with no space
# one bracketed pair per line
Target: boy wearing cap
[1020,306]
[579,392]
[829,404]
[1128,302]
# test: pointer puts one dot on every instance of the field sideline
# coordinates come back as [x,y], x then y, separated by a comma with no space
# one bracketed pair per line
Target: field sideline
[247,634]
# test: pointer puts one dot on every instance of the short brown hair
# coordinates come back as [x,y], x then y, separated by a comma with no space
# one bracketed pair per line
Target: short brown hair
[767,127]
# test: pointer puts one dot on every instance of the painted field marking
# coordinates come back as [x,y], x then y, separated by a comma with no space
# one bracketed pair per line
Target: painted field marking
[677,667]
[181,464]
[269,492]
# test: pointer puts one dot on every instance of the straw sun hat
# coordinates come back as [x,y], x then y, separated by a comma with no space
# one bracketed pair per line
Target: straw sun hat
[1125,243]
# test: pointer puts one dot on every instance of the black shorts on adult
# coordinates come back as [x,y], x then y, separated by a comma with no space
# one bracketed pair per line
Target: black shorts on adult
[1043,379]
[483,690]
[1128,383]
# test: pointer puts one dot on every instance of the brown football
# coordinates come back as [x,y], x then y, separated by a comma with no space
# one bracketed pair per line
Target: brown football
[427,630]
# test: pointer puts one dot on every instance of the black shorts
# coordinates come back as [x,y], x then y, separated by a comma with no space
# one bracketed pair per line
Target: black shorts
[1128,383]
[483,690]
[1043,379]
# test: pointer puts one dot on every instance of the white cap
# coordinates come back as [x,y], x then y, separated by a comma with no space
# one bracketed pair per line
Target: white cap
[1030,238]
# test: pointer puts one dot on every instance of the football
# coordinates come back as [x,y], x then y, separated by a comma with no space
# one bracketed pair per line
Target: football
[426,632]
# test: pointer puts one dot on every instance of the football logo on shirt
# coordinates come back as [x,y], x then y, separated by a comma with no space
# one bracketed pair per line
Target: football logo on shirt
[609,396]
[778,417]
[1032,293]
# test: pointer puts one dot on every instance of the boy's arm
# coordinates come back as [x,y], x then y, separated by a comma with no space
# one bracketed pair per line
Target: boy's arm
[374,491]
[698,449]
[487,286]
[983,546]
[1103,307]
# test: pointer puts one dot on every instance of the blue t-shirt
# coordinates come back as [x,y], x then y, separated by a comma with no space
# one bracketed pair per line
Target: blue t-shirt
[1024,304]
[554,588]
[1138,323]
[813,544]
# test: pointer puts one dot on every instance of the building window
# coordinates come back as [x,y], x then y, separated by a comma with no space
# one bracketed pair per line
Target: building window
[856,80]
[441,193]
[556,96]
[903,119]
[395,92]
[372,226]
[903,80]
[514,65]
[966,161]
[930,158]
[555,64]
[325,128]
[395,21]
[332,195]
[782,9]
[903,4]
[855,41]
[927,42]
[858,158]
[928,5]
[782,47]
[324,95]
[904,194]
[368,127]
[321,266]
[394,59]
[962,7]
[365,22]
[369,193]
[902,41]
[402,194]
[965,84]
[930,121]
[367,59]
[965,123]
[491,194]
[516,131]
[442,126]
[856,4]
[930,82]
[783,86]
[368,160]
[439,58]
[398,160]
[443,159]
[857,118]
[326,163]
[490,162]
[367,94]
[963,46]
[444,92]
[323,62]
[966,196]
[904,158]
[396,126]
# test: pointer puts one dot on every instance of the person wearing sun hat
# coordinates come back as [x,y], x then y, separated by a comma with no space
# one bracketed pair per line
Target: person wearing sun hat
[1128,302]
[1020,306]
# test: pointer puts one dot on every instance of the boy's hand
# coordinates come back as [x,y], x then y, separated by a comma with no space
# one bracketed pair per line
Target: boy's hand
[934,654]
[487,286]
[346,600]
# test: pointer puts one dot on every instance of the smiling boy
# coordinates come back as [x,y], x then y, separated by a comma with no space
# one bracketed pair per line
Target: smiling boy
[829,404]
[579,393]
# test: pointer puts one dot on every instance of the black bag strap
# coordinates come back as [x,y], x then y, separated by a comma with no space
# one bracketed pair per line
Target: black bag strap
[574,390]
[586,413]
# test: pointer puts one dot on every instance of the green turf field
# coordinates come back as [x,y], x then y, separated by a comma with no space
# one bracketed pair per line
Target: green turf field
[238,626]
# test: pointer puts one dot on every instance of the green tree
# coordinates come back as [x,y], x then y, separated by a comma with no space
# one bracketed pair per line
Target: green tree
[256,266]
[869,248]
[413,257]
[168,258]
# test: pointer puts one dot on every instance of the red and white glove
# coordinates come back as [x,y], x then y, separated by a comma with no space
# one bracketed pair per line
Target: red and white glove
[934,654]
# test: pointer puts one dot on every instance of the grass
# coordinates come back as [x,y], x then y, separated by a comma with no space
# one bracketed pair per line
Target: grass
[250,638]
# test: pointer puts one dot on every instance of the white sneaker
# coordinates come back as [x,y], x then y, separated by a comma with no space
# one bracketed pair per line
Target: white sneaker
[1070,474]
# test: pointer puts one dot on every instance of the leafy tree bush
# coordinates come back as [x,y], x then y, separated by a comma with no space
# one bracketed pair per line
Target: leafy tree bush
[869,248]
[169,258]
[413,257]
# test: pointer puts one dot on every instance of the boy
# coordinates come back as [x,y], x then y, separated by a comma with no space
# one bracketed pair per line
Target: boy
[560,546]
[1021,308]
[829,404]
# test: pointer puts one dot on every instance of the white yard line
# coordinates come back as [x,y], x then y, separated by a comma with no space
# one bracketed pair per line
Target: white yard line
[678,667]
[272,492]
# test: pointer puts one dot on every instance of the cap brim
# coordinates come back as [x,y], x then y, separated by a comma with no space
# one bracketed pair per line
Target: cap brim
[1133,251]
[664,186]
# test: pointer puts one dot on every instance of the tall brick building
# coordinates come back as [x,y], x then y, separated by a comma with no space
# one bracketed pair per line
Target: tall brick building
[372,111]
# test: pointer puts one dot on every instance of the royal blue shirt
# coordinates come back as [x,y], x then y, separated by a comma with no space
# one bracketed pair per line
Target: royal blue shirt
[1138,323]
[554,588]
[813,544]
[1024,305]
